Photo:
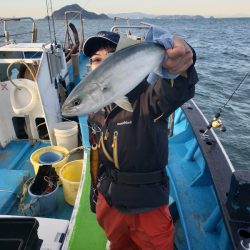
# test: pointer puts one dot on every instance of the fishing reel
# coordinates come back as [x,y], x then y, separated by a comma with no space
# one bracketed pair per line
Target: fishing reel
[216,123]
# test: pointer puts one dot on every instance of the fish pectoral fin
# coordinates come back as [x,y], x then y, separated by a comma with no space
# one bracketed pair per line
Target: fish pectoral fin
[124,103]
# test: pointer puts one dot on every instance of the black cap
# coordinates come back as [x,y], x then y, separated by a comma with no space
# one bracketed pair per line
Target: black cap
[93,42]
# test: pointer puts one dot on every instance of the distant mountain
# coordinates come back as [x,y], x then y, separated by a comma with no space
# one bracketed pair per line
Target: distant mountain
[60,14]
[178,17]
[140,15]
[133,15]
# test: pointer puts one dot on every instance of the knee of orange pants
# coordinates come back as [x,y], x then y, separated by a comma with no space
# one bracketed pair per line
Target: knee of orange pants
[114,226]
[148,230]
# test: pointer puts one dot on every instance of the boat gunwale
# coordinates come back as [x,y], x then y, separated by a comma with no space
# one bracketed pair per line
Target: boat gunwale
[218,164]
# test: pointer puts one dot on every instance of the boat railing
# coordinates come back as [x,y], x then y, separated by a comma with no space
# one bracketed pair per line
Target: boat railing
[129,30]
[6,35]
[68,41]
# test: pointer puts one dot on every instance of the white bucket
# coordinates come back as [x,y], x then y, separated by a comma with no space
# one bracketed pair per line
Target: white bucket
[66,134]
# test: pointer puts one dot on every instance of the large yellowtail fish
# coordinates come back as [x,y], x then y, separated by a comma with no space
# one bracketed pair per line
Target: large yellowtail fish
[114,78]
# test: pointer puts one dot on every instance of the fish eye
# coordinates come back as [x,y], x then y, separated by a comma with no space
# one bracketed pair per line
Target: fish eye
[77,102]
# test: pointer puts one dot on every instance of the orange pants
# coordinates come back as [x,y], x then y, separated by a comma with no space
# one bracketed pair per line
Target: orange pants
[146,231]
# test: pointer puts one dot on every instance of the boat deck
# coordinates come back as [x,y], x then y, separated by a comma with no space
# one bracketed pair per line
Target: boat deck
[87,234]
[15,169]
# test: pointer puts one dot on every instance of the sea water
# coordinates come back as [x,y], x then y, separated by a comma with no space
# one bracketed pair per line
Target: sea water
[223,50]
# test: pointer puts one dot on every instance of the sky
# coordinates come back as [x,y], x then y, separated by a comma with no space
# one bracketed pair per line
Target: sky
[216,8]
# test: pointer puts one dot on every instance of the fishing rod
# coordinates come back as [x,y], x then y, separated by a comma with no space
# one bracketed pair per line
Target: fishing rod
[53,21]
[47,7]
[50,11]
[216,122]
[59,27]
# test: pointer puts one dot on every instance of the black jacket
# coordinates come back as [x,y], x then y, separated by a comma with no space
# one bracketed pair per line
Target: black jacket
[138,182]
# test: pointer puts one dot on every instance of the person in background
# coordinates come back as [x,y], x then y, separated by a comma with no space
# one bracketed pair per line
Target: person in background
[132,190]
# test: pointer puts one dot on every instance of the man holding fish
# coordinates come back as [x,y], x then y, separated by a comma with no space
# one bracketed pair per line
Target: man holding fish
[128,117]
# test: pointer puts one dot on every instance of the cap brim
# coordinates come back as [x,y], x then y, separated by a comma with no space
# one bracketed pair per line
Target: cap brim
[91,43]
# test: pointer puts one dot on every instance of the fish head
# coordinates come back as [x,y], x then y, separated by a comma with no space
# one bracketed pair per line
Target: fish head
[72,105]
[85,98]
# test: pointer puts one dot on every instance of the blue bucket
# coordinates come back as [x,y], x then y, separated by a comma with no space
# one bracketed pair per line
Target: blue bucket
[50,157]
[43,204]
